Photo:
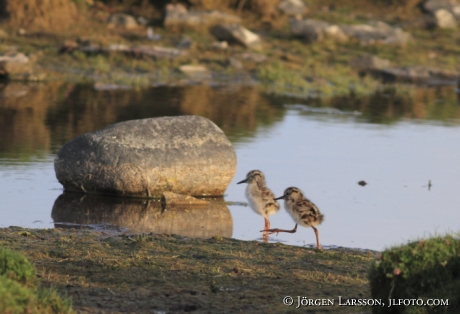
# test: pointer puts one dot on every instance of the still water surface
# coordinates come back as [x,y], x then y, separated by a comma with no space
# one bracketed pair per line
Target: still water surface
[396,144]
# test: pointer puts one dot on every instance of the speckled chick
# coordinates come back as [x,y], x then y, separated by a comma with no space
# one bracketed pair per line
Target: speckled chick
[302,211]
[260,198]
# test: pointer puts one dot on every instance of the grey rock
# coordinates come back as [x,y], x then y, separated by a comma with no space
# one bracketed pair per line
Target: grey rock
[235,63]
[419,74]
[377,32]
[235,33]
[143,158]
[185,43]
[140,51]
[151,34]
[445,19]
[178,17]
[314,30]
[292,7]
[452,6]
[196,72]
[156,52]
[140,216]
[142,20]
[15,66]
[253,57]
[122,20]
[219,45]
[369,62]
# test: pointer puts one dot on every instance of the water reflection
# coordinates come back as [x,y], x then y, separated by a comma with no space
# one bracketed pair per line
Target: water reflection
[39,118]
[387,106]
[36,119]
[141,216]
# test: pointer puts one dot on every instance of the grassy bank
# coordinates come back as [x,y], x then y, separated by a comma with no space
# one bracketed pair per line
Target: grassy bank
[291,66]
[173,274]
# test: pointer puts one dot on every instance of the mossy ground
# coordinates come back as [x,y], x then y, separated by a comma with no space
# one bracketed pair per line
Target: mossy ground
[173,274]
[425,269]
[20,291]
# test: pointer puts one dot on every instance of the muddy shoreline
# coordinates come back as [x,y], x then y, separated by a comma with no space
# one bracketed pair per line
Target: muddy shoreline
[175,274]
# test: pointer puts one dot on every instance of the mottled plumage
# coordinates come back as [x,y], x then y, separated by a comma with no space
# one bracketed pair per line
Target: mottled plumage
[261,199]
[302,211]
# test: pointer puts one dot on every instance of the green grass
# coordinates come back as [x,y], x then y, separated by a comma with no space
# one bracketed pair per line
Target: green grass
[426,269]
[19,291]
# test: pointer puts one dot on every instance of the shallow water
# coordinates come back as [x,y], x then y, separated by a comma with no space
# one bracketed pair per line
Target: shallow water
[396,144]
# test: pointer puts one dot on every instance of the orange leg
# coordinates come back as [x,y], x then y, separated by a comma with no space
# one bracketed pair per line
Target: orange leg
[276,230]
[317,238]
[266,227]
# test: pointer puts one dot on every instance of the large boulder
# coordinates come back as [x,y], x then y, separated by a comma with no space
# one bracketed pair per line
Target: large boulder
[143,158]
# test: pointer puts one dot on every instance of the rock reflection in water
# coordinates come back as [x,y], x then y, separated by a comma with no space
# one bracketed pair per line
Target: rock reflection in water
[141,216]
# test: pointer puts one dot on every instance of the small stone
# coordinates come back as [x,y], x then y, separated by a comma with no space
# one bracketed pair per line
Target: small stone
[253,57]
[196,72]
[445,19]
[178,17]
[185,43]
[292,7]
[362,183]
[237,34]
[370,62]
[219,45]
[68,46]
[235,63]
[151,35]
[15,66]
[122,20]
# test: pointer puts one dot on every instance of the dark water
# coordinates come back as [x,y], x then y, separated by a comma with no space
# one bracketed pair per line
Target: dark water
[396,143]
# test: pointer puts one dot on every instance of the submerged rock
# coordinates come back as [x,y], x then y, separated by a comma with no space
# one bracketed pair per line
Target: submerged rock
[143,158]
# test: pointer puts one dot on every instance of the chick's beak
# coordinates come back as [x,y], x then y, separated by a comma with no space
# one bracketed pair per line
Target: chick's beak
[244,181]
[278,198]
